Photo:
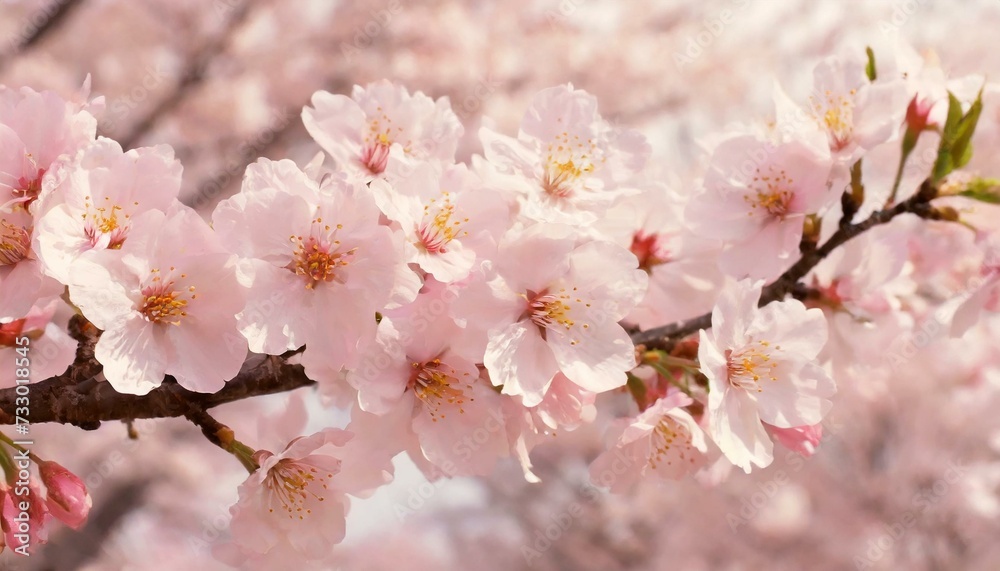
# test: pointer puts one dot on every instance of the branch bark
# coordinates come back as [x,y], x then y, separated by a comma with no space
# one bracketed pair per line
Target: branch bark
[88,403]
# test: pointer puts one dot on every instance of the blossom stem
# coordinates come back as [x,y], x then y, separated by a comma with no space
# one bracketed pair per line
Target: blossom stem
[223,437]
[7,463]
[18,447]
[898,179]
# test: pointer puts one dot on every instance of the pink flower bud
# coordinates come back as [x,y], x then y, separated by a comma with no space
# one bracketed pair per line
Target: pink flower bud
[12,514]
[68,499]
[917,114]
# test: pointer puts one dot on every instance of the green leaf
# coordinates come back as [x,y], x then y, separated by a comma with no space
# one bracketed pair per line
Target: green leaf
[870,68]
[962,147]
[955,149]
[954,115]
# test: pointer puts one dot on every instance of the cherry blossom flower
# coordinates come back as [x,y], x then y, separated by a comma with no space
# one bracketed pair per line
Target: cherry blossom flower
[293,508]
[567,164]
[317,263]
[760,368]
[682,266]
[93,206]
[855,113]
[925,79]
[663,440]
[22,279]
[449,219]
[167,303]
[420,363]
[866,276]
[38,131]
[553,304]
[52,349]
[756,196]
[381,128]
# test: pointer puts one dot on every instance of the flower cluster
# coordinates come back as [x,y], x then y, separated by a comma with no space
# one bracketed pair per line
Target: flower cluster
[465,312]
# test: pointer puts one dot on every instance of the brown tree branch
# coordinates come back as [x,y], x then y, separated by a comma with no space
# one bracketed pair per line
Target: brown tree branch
[90,402]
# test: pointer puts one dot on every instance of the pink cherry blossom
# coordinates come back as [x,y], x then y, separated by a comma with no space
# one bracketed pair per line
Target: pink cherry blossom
[552,304]
[293,507]
[682,266]
[382,128]
[38,131]
[414,365]
[167,303]
[663,440]
[866,276]
[761,367]
[93,206]
[567,164]
[316,261]
[756,196]
[855,113]
[51,349]
[450,220]
[22,279]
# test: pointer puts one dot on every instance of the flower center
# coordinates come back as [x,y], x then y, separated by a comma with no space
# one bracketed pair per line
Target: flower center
[375,156]
[28,189]
[836,114]
[748,366]
[291,484]
[162,302]
[554,311]
[771,193]
[377,142]
[15,241]
[650,250]
[436,385]
[106,226]
[567,161]
[318,258]
[436,232]
[670,440]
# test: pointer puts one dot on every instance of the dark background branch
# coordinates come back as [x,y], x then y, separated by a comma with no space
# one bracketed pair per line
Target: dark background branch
[38,31]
